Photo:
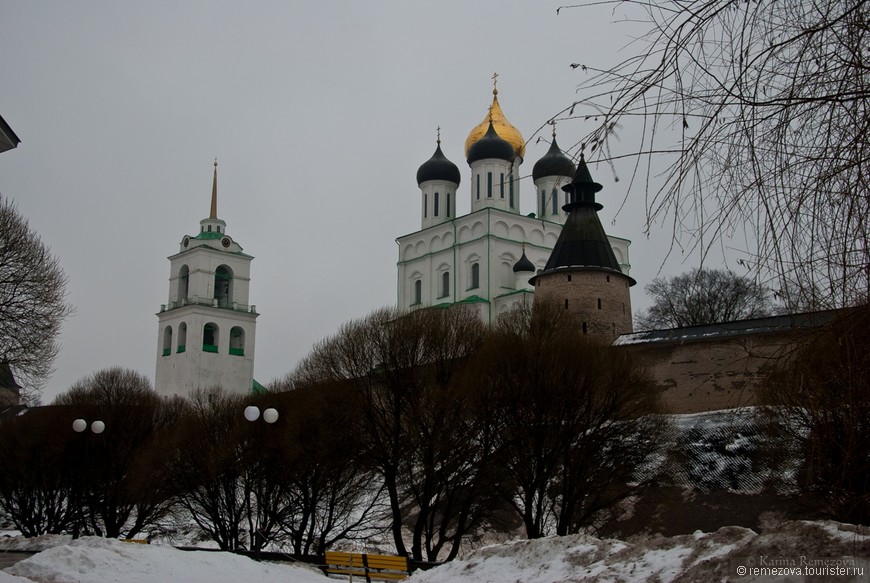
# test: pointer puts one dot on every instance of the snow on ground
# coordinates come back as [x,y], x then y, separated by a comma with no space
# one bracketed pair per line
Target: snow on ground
[100,560]
[697,557]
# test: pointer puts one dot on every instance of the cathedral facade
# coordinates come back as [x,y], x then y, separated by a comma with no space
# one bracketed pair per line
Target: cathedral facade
[485,258]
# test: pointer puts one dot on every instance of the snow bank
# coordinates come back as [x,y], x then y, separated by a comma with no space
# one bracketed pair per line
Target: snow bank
[696,557]
[99,560]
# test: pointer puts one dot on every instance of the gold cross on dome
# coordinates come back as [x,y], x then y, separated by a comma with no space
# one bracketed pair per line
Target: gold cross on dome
[494,82]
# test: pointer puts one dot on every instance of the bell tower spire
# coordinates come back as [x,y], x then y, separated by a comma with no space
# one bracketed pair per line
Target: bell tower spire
[213,226]
[213,213]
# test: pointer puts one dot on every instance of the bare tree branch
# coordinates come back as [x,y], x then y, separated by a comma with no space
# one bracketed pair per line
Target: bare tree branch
[32,301]
[758,114]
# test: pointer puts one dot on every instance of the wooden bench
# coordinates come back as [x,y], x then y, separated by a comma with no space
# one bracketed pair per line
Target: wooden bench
[372,567]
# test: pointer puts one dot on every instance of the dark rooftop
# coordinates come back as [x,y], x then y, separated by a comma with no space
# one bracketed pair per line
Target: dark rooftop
[769,325]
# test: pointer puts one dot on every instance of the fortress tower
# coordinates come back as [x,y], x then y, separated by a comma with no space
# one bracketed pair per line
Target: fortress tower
[582,275]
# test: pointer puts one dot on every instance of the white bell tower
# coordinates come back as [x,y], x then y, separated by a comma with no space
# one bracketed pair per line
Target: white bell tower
[207,328]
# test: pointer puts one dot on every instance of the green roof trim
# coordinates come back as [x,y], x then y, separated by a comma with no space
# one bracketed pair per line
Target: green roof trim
[209,235]
[447,305]
[515,292]
[473,300]
[257,388]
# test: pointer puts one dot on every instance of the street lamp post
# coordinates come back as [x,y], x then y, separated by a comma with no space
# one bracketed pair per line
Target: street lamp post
[270,416]
[79,426]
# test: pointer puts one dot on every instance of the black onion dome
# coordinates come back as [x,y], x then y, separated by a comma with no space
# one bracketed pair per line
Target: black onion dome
[524,265]
[491,145]
[438,167]
[554,163]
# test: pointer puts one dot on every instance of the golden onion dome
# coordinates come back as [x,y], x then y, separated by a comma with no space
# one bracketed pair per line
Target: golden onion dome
[502,126]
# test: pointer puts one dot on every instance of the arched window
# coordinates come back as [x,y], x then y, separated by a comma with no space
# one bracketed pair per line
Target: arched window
[445,284]
[425,205]
[449,196]
[183,282]
[418,292]
[436,201]
[555,202]
[543,203]
[475,276]
[489,184]
[210,336]
[501,184]
[237,341]
[182,337]
[223,286]
[478,187]
[167,341]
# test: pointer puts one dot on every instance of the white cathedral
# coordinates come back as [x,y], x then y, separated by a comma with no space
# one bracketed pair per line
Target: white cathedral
[483,259]
[486,257]
[206,330]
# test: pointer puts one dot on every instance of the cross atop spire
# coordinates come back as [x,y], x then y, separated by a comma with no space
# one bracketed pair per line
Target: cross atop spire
[438,133]
[213,213]
[495,83]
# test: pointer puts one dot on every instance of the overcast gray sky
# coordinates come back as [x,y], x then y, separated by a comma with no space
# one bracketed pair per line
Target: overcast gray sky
[319,114]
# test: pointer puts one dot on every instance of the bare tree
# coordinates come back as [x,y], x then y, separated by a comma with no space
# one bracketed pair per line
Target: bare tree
[817,403]
[574,420]
[755,121]
[37,491]
[32,301]
[445,472]
[327,492]
[360,353]
[124,487]
[400,366]
[211,468]
[703,296]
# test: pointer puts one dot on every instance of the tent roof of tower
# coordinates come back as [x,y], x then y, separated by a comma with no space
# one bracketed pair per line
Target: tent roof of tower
[582,244]
[7,379]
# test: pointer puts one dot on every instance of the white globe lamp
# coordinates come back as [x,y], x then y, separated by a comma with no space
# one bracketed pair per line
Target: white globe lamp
[252,413]
[270,415]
